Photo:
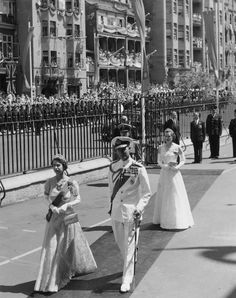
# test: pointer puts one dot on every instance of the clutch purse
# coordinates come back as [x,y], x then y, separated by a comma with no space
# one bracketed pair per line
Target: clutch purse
[71,218]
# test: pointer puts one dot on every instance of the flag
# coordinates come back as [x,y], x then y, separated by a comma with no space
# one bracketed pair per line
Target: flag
[25,53]
[211,41]
[139,13]
[11,76]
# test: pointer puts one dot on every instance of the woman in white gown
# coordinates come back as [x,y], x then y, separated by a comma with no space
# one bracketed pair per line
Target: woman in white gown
[65,250]
[172,210]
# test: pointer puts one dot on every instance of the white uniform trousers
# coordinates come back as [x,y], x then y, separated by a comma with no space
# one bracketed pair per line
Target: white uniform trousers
[124,234]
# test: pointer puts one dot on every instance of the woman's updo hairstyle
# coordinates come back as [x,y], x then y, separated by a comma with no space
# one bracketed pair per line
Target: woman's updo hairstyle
[172,133]
[61,159]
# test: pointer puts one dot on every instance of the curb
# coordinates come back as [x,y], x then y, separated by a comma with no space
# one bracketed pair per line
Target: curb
[31,185]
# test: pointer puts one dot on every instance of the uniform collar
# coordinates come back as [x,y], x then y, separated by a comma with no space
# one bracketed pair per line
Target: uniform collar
[127,162]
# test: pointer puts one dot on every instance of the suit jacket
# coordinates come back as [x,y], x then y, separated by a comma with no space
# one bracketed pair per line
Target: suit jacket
[133,194]
[175,127]
[213,125]
[197,131]
[232,127]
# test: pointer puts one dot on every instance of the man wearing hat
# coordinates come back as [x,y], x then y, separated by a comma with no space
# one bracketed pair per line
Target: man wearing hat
[129,192]
[135,150]
[214,131]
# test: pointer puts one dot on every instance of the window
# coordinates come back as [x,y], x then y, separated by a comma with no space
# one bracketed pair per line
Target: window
[54,58]
[181,31]
[181,58]
[220,17]
[221,60]
[44,28]
[221,39]
[77,59]
[70,59]
[168,30]
[45,58]
[77,30]
[175,33]
[187,58]
[69,30]
[76,4]
[175,57]
[68,5]
[175,7]
[6,45]
[187,6]
[169,57]
[52,28]
[187,33]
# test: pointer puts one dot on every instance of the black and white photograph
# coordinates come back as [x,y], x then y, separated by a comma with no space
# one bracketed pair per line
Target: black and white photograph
[117,148]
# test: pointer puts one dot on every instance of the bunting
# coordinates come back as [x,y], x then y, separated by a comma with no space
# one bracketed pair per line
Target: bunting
[139,13]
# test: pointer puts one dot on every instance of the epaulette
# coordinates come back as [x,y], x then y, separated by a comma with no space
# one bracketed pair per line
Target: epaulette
[136,164]
[112,163]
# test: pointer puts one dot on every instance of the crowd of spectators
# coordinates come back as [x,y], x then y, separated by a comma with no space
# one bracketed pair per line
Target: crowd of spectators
[20,111]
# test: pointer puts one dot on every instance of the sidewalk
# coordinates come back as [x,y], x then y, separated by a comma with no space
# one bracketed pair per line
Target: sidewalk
[201,262]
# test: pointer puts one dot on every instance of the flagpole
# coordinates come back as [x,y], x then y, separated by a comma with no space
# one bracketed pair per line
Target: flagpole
[217,56]
[30,65]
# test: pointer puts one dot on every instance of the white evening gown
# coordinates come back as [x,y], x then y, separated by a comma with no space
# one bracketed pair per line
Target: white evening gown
[172,209]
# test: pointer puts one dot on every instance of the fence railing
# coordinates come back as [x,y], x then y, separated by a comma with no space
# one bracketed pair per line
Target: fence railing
[30,145]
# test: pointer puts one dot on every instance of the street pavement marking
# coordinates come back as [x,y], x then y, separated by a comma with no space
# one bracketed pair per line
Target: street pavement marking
[3,228]
[99,223]
[39,248]
[21,256]
[29,231]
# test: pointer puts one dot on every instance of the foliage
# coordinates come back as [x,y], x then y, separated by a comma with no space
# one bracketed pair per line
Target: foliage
[192,80]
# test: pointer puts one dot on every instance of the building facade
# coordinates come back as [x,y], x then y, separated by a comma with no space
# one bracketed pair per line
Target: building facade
[178,34]
[9,54]
[57,47]
[113,43]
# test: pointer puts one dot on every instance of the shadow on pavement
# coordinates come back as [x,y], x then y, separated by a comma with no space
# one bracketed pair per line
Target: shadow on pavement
[98,184]
[97,228]
[215,253]
[24,288]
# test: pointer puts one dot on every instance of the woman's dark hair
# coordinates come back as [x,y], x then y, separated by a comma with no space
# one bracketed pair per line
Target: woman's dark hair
[61,159]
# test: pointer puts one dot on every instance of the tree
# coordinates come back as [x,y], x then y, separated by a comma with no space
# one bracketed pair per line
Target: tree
[192,80]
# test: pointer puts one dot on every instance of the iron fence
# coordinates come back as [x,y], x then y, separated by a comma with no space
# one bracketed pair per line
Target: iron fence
[30,145]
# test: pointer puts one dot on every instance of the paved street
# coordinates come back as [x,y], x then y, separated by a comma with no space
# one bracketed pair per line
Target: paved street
[161,266]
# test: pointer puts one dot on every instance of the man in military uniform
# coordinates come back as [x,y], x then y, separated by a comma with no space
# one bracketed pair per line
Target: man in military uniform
[129,192]
[214,131]
[135,147]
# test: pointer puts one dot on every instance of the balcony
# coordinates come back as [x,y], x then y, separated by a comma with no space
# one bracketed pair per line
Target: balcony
[51,71]
[197,19]
[197,42]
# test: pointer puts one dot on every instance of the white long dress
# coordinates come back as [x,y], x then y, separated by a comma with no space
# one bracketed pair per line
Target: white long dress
[172,209]
[65,250]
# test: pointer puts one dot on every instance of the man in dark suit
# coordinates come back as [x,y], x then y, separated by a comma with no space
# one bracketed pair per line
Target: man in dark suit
[197,135]
[232,132]
[173,124]
[214,131]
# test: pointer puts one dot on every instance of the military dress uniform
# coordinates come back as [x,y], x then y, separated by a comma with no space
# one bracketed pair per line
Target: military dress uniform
[129,191]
